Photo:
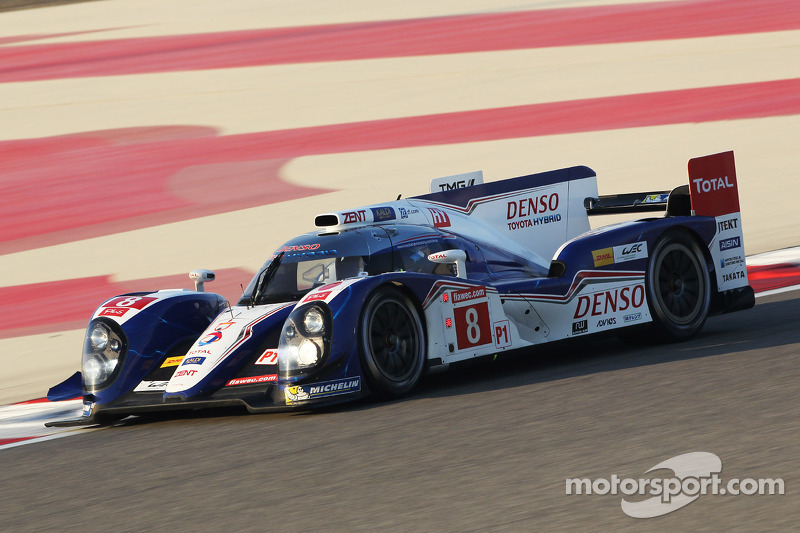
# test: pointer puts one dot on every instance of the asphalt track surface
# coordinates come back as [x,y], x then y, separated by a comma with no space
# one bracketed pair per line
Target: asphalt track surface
[482,448]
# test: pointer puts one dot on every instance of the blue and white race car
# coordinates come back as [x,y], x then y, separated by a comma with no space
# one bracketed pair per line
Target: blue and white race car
[377,296]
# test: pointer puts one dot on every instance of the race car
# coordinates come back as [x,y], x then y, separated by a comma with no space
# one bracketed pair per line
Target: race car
[379,295]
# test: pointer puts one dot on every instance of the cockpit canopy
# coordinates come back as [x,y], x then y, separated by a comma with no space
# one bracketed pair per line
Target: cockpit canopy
[316,259]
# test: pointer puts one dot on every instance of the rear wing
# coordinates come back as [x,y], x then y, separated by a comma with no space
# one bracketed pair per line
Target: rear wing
[636,202]
[713,192]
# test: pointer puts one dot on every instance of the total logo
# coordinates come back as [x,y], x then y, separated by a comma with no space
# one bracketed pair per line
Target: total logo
[604,302]
[712,184]
[214,336]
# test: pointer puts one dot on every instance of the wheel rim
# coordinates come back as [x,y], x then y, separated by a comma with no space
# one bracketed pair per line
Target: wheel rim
[681,285]
[393,340]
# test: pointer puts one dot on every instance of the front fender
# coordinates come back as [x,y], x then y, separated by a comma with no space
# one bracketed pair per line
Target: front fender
[153,324]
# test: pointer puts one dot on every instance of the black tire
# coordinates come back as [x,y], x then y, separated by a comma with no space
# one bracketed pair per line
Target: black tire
[678,287]
[392,343]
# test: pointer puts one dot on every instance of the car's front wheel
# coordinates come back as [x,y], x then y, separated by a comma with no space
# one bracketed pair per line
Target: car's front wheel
[678,287]
[392,343]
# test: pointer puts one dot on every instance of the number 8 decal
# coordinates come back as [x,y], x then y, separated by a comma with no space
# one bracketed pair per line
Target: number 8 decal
[129,302]
[472,325]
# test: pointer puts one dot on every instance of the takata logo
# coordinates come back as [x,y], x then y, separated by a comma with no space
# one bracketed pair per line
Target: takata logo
[604,302]
[440,218]
[214,336]
[712,184]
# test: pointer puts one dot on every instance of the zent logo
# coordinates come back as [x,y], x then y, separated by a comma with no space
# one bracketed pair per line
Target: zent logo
[355,216]
[180,373]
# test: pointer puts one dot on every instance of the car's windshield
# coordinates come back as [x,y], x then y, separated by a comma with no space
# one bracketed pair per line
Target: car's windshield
[305,263]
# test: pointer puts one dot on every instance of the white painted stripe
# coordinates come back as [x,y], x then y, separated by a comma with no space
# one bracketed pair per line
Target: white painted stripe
[777,291]
[146,18]
[787,255]
[769,213]
[290,96]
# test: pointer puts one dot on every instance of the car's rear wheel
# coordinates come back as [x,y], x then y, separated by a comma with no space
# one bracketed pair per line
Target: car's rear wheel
[678,287]
[392,343]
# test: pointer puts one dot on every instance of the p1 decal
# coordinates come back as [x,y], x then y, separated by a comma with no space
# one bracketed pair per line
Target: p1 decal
[269,357]
[502,335]
[473,327]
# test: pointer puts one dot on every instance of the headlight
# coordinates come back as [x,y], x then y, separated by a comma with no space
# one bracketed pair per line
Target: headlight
[305,339]
[103,349]
[99,337]
[308,353]
[314,321]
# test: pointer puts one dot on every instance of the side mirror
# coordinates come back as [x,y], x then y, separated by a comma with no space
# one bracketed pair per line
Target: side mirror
[457,257]
[200,276]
